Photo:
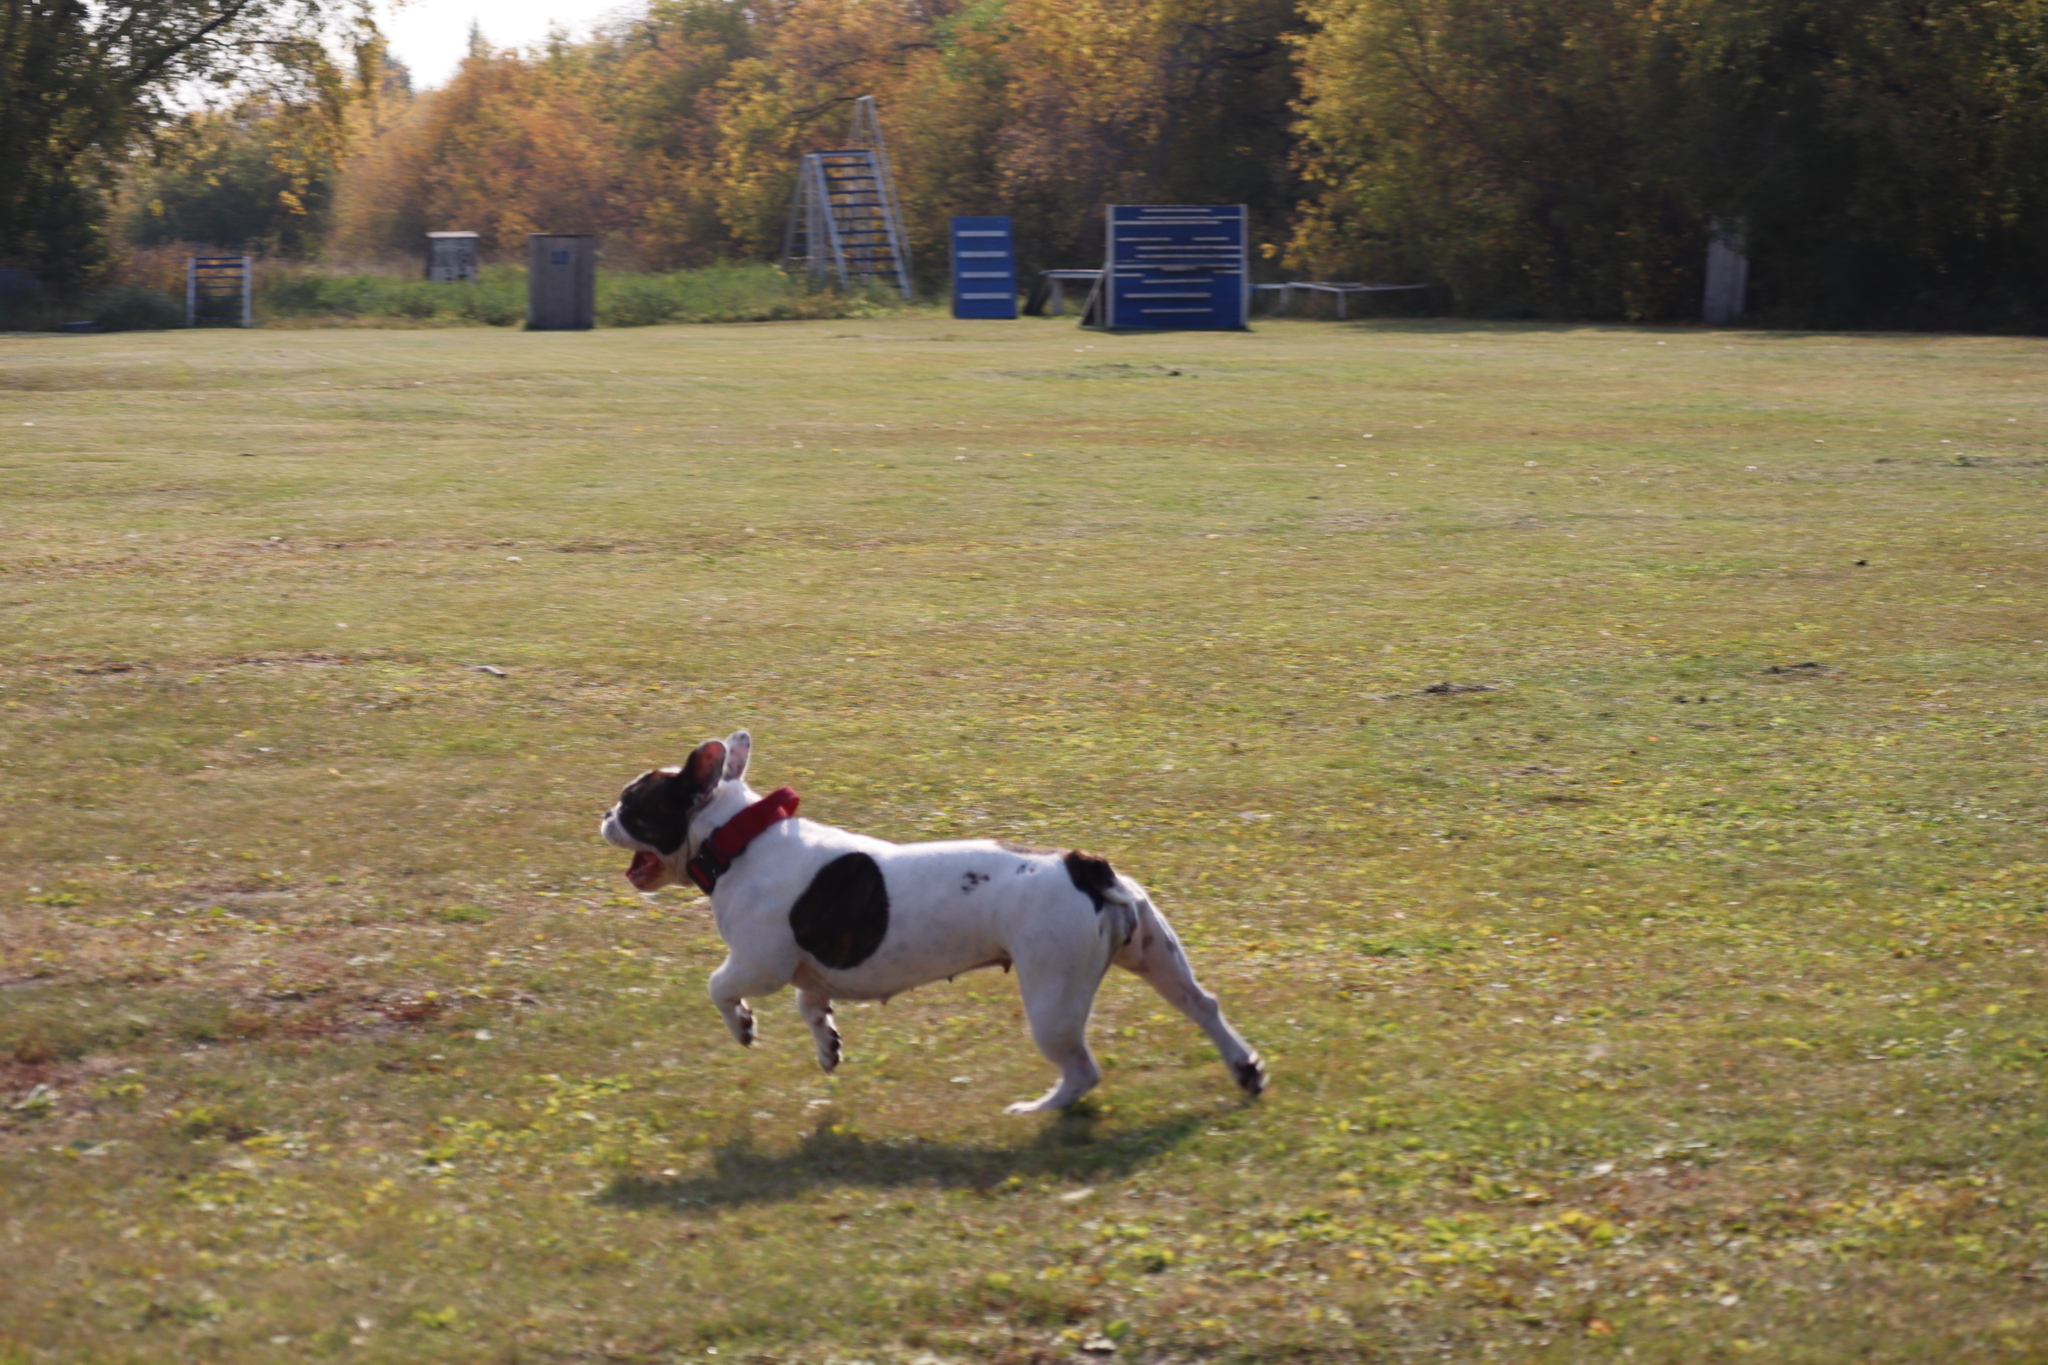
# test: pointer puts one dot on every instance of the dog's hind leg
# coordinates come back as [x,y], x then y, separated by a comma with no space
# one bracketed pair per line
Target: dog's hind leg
[731,984]
[816,1008]
[1058,1005]
[1154,953]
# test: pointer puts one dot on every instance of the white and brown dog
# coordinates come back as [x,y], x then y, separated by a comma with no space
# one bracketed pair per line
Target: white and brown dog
[841,916]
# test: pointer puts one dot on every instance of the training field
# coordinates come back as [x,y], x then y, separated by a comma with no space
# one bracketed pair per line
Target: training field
[1601,768]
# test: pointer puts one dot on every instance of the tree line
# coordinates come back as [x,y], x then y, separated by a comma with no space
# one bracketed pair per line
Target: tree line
[1882,160]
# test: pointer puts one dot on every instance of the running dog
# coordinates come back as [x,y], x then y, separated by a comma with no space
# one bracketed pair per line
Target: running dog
[841,916]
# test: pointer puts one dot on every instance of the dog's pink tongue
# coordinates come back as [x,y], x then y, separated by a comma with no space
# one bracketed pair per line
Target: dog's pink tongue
[646,869]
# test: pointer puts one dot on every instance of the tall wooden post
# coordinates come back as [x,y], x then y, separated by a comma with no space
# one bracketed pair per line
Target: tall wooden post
[1727,273]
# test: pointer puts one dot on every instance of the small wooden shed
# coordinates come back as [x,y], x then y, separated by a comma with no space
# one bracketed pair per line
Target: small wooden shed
[452,257]
[561,281]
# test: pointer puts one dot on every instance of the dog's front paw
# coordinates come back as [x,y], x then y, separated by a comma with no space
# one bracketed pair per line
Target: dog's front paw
[829,1051]
[1251,1075]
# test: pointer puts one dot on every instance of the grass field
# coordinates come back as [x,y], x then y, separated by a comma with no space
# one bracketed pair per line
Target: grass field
[1600,767]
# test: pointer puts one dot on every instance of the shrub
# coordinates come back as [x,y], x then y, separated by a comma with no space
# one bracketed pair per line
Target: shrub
[498,299]
[724,293]
[135,308]
[720,293]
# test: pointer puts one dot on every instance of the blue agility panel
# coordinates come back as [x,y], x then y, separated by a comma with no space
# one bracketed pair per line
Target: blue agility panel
[984,269]
[1177,266]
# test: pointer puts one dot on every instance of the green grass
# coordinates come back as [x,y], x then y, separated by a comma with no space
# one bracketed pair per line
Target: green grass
[1649,996]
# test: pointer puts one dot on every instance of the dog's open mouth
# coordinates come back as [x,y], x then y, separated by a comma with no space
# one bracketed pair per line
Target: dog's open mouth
[646,872]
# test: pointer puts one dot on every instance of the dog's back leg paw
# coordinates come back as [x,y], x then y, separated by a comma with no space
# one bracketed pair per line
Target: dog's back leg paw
[1057,1008]
[1155,955]
[816,1009]
[1061,1096]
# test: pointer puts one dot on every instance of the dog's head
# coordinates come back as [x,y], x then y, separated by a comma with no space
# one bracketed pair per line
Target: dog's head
[653,814]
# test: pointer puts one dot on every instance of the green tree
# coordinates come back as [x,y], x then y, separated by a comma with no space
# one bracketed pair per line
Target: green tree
[83,84]
[1569,157]
[239,180]
[1537,156]
[1887,155]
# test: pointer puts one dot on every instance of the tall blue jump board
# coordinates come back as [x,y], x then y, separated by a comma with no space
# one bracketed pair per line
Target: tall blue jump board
[984,269]
[1177,266]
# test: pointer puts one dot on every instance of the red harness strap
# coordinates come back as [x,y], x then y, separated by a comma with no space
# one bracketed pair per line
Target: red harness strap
[730,839]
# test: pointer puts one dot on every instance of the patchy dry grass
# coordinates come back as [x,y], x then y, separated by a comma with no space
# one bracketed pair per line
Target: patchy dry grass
[1610,793]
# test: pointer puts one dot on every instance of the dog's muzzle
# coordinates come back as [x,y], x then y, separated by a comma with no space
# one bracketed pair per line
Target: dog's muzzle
[649,870]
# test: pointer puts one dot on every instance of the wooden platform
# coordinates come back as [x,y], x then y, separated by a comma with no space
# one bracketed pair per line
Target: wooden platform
[1342,291]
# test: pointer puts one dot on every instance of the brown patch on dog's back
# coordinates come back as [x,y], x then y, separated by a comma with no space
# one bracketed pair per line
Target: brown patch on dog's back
[1092,876]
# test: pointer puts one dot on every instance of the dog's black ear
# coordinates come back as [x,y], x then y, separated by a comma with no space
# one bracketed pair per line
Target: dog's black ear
[705,767]
[655,808]
[739,745]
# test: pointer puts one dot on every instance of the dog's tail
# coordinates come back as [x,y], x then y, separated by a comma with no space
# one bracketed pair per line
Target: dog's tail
[1125,907]
[1138,925]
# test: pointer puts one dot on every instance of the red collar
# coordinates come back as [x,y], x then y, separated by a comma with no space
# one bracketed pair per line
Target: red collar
[730,839]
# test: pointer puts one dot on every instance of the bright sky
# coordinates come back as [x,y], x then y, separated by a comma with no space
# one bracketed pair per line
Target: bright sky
[430,36]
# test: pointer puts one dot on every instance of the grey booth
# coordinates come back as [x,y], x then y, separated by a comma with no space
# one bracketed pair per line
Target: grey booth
[452,257]
[561,281]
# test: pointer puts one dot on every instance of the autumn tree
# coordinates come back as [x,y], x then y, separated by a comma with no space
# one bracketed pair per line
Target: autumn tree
[1161,101]
[1559,158]
[698,112]
[662,73]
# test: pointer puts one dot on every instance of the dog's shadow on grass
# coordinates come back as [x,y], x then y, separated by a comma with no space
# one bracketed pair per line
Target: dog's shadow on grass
[1070,1147]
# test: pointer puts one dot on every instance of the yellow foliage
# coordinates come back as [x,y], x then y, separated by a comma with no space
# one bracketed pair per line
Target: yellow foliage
[677,137]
